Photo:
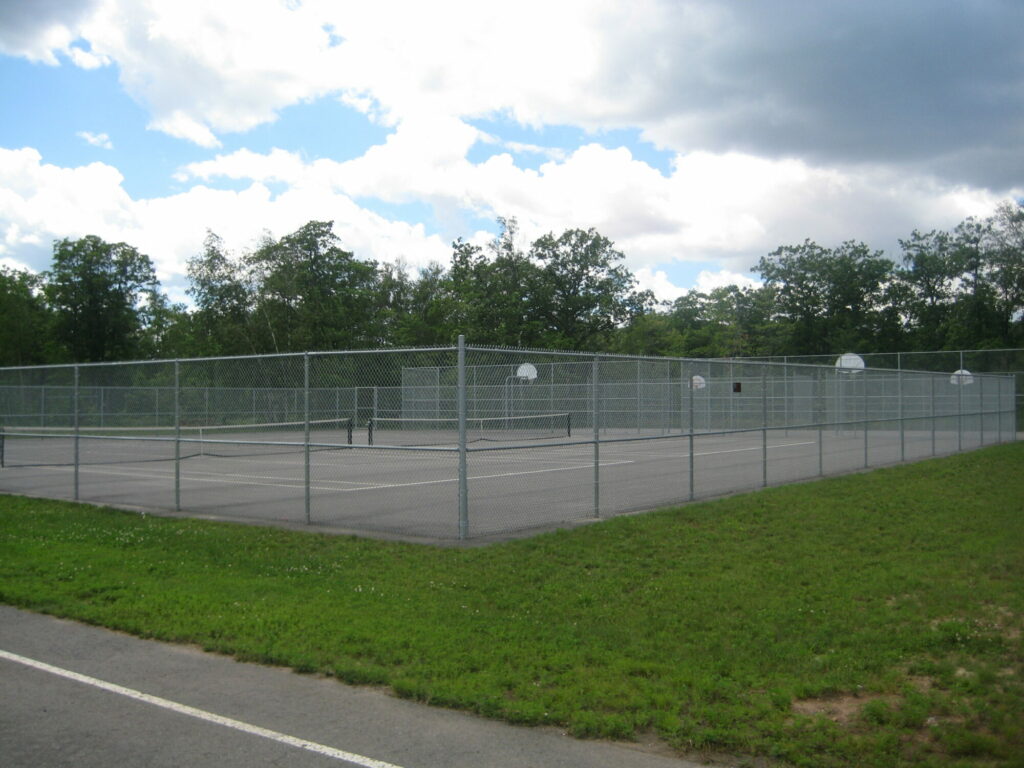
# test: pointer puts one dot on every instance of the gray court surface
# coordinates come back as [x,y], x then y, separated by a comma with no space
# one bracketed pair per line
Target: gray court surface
[47,719]
[413,494]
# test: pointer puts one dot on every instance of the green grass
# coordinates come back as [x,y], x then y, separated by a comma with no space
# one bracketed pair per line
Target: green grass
[867,620]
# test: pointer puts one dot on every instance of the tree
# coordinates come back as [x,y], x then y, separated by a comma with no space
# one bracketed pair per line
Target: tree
[95,289]
[222,321]
[421,311]
[496,299]
[312,295]
[1008,266]
[975,321]
[583,293]
[25,320]
[652,333]
[927,287]
[832,300]
[167,329]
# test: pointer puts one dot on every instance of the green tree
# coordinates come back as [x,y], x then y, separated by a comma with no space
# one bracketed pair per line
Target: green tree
[729,321]
[25,320]
[167,329]
[95,289]
[311,294]
[975,321]
[927,279]
[421,311]
[1008,267]
[583,292]
[832,299]
[222,321]
[652,333]
[496,291]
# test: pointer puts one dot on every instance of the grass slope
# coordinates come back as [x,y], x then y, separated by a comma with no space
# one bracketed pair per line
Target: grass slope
[863,620]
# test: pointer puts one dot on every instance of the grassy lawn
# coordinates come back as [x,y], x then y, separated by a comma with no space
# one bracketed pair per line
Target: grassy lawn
[866,620]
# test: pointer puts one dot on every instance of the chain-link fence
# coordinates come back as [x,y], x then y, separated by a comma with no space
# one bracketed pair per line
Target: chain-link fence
[469,442]
[1006,361]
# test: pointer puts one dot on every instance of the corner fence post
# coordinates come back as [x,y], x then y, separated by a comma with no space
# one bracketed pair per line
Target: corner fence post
[177,435]
[981,403]
[932,410]
[305,431]
[75,409]
[764,426]
[820,414]
[903,442]
[864,406]
[596,419]
[461,407]
[959,377]
[690,458]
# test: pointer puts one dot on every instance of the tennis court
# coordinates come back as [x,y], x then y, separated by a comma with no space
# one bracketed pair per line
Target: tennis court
[466,443]
[414,492]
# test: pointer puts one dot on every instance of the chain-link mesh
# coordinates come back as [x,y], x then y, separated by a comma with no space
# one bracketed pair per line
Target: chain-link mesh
[387,442]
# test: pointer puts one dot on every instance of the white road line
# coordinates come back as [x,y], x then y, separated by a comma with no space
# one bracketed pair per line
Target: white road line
[184,709]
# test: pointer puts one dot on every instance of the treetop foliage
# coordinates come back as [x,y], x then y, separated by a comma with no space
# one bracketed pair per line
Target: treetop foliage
[304,292]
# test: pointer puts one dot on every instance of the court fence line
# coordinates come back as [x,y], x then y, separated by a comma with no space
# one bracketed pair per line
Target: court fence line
[470,441]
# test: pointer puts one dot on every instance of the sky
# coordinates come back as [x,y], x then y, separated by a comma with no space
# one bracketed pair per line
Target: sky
[698,135]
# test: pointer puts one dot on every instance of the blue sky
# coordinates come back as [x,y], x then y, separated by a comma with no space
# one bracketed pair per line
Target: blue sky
[698,135]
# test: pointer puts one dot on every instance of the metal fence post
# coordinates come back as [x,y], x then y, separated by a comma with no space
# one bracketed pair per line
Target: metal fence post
[981,402]
[899,411]
[999,411]
[932,408]
[821,413]
[960,409]
[177,435]
[75,417]
[595,417]
[692,492]
[305,431]
[864,386]
[461,407]
[764,426]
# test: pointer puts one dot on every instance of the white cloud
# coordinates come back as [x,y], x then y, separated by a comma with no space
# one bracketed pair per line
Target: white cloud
[40,202]
[40,29]
[9,263]
[100,140]
[657,282]
[707,281]
[731,209]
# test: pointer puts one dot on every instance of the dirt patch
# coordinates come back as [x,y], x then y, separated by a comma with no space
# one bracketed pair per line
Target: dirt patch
[843,709]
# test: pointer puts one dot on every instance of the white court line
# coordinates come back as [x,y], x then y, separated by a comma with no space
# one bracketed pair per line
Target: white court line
[710,453]
[366,486]
[201,714]
[248,480]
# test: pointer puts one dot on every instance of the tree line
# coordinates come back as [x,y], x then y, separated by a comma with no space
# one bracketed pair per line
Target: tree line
[102,301]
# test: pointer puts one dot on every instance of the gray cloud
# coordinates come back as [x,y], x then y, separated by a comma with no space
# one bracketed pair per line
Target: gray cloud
[935,85]
[24,23]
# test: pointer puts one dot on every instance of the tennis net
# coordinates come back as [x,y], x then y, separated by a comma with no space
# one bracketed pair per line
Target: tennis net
[445,431]
[57,446]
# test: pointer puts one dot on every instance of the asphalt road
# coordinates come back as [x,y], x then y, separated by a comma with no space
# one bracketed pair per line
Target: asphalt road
[143,703]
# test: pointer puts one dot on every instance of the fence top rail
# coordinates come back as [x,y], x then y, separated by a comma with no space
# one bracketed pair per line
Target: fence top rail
[775,362]
[269,355]
[584,356]
[902,352]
